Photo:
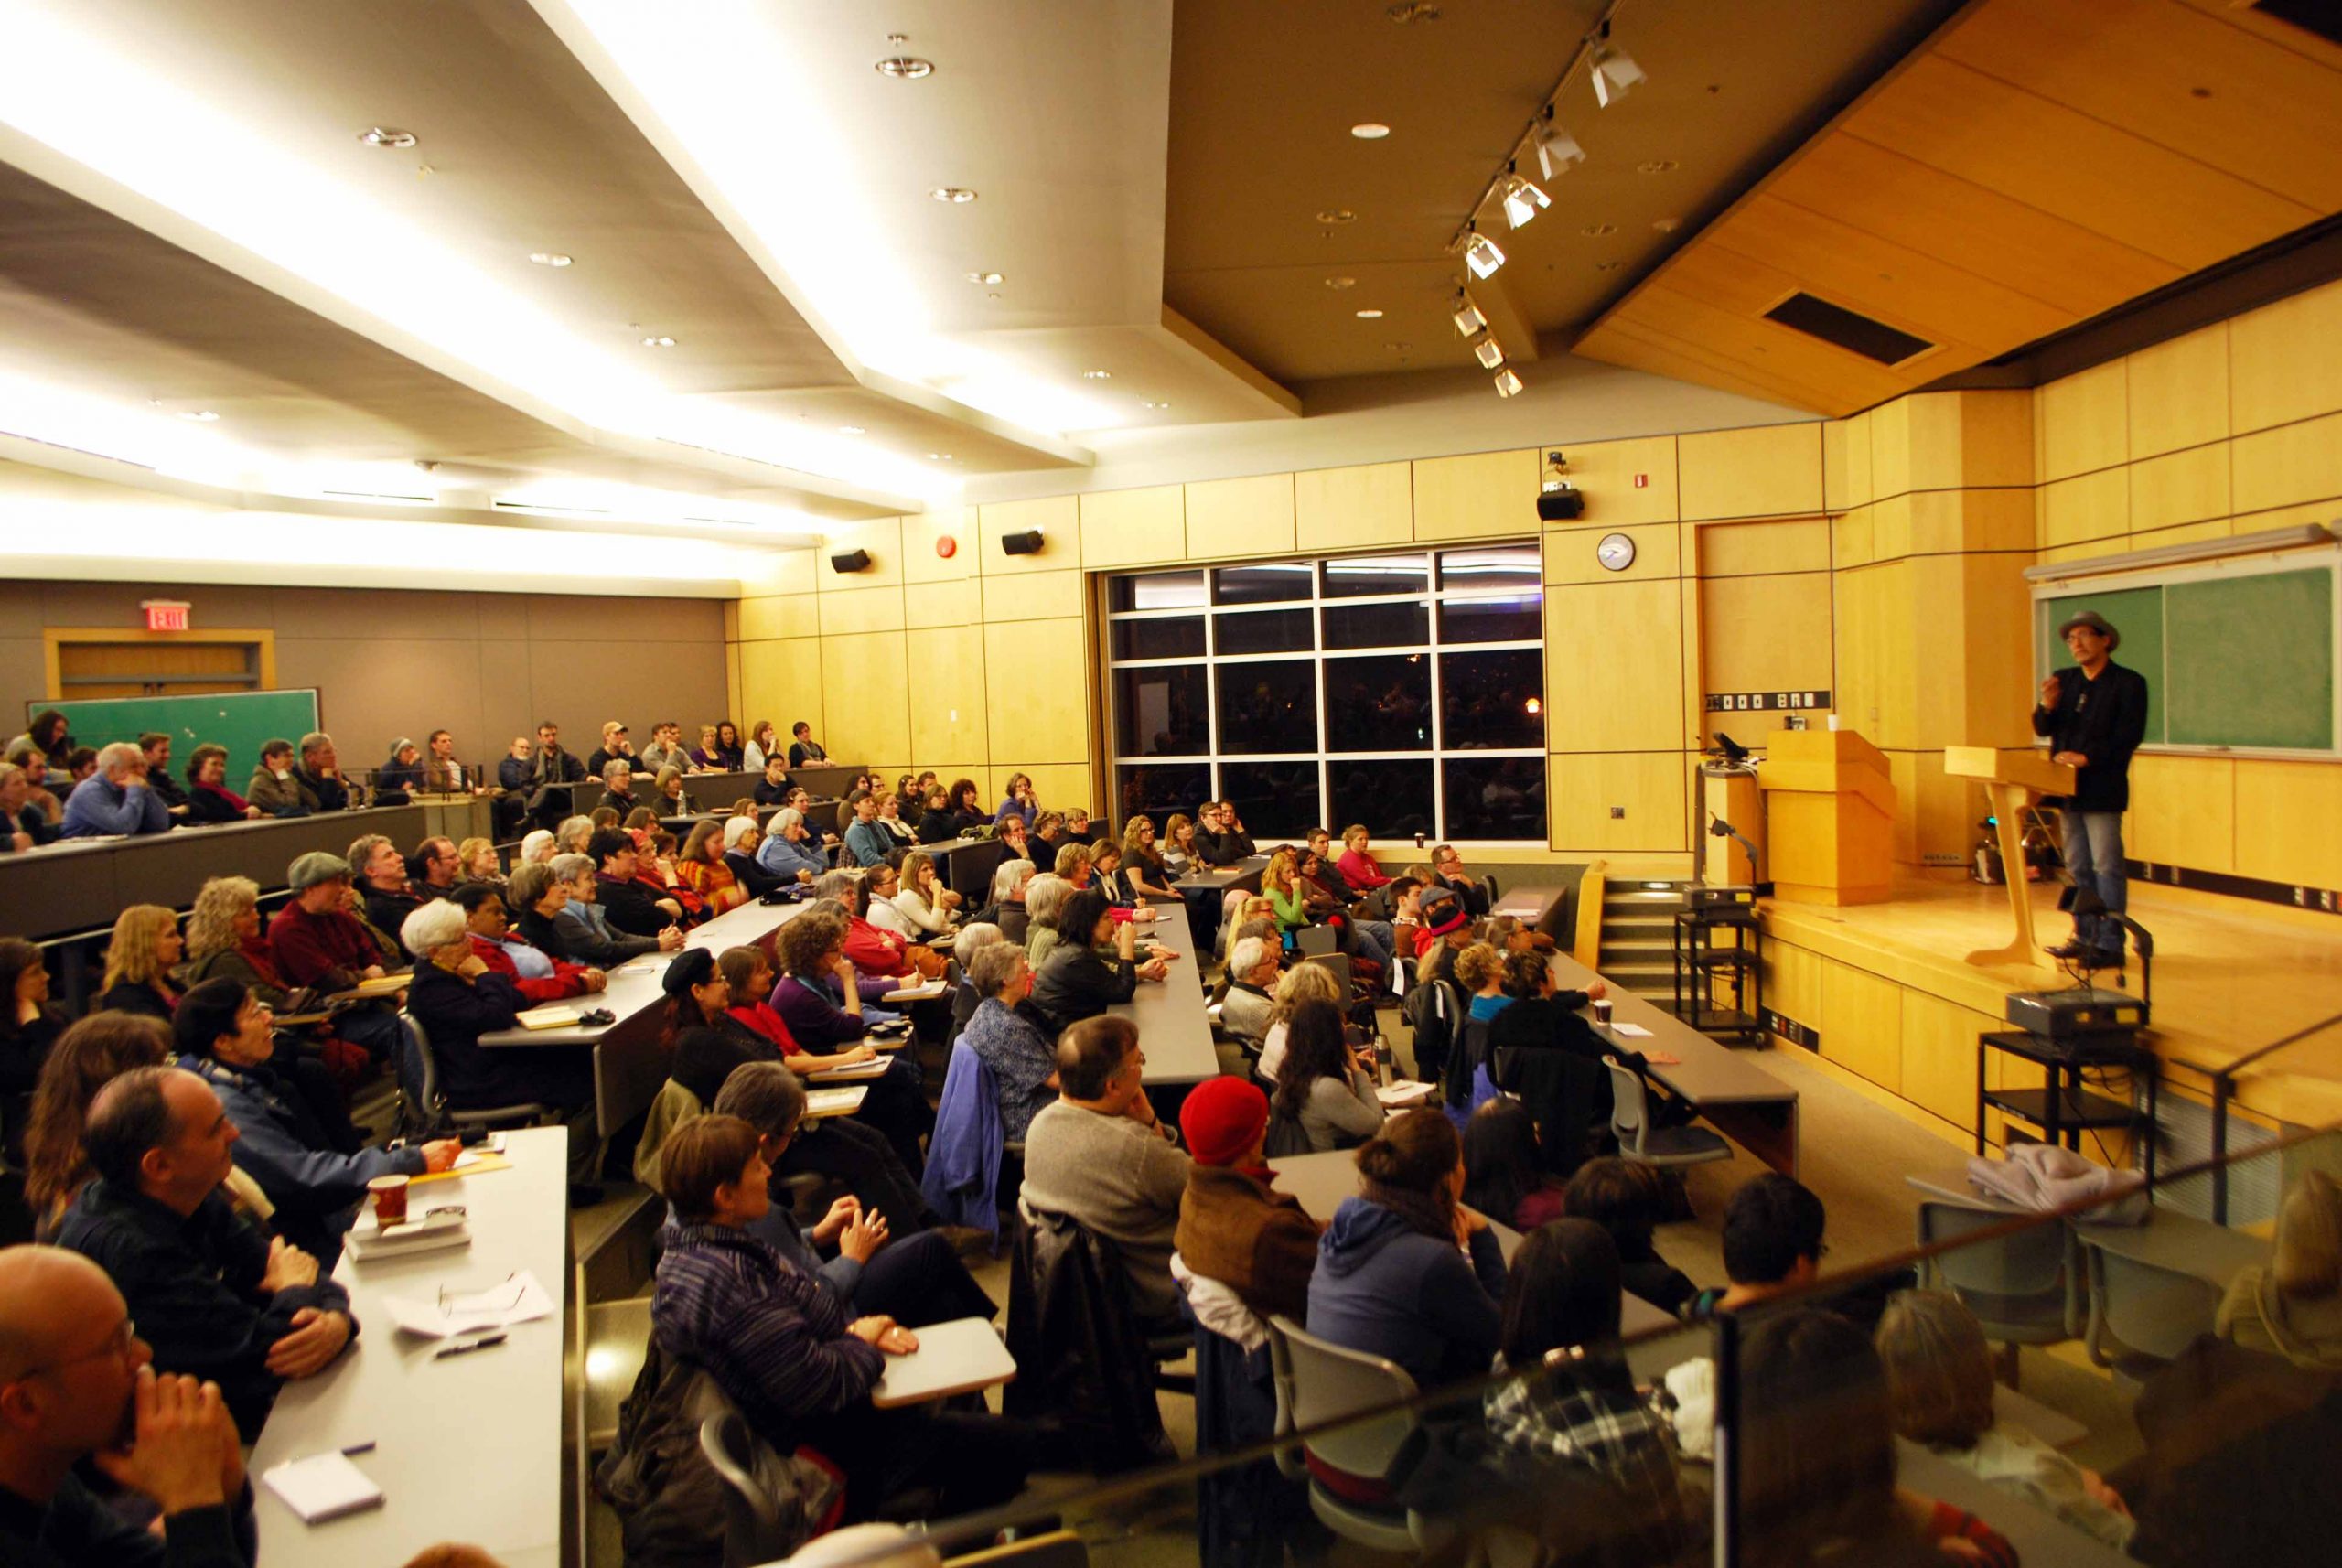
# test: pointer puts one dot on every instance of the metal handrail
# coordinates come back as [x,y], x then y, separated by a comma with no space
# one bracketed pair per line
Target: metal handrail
[2224,1090]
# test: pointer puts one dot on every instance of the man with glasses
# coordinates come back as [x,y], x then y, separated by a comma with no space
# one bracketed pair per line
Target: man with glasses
[218,1296]
[1447,871]
[75,1384]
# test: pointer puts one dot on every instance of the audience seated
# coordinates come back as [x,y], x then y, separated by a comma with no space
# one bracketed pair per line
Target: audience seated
[1106,874]
[867,843]
[742,838]
[1045,898]
[1324,1089]
[1501,1177]
[1099,1157]
[1939,1380]
[116,799]
[435,869]
[802,747]
[702,867]
[965,804]
[478,863]
[23,824]
[1011,1037]
[223,942]
[579,925]
[899,835]
[1019,801]
[625,903]
[1234,1227]
[537,974]
[1143,866]
[932,908]
[78,1394]
[616,747]
[820,996]
[216,1295]
[1180,853]
[147,946]
[936,822]
[317,941]
[1447,871]
[1404,1271]
[1575,1404]
[1772,1245]
[772,790]
[222,1035]
[881,884]
[1302,982]
[1356,863]
[29,1026]
[277,786]
[402,773]
[91,1053]
[208,799]
[320,773]
[2293,1307]
[1078,982]
[1628,1199]
[1445,932]
[617,787]
[1220,837]
[786,1350]
[971,941]
[873,951]
[1253,969]
[915,1278]
[383,884]
[457,998]
[761,748]
[790,851]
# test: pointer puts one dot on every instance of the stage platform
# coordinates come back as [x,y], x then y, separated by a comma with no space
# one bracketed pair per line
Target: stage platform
[1894,1002]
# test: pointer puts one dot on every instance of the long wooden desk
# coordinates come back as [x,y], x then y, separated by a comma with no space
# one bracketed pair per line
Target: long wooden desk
[1172,1025]
[82,883]
[1731,1092]
[467,1448]
[1319,1183]
[629,1066]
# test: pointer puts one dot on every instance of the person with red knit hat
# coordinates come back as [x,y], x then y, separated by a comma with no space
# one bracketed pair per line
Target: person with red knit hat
[1234,1225]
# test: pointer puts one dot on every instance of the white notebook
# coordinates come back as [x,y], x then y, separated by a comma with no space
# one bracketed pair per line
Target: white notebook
[323,1486]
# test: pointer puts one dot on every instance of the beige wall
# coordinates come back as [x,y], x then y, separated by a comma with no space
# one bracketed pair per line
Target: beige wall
[391,662]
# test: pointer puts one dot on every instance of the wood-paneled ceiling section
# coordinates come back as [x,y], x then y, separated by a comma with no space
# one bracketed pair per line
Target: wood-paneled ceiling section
[2035,163]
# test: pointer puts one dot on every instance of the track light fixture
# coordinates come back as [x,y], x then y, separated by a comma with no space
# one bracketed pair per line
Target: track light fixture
[1468,317]
[1556,148]
[1614,70]
[1480,254]
[1522,201]
[1506,383]
[1490,352]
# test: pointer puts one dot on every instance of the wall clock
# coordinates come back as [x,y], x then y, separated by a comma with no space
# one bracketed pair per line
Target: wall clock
[1616,552]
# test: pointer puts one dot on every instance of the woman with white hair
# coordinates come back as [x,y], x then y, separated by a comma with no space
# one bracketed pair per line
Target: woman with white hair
[455,998]
[538,848]
[742,838]
[570,837]
[1006,909]
[585,933]
[789,851]
[1045,898]
[971,940]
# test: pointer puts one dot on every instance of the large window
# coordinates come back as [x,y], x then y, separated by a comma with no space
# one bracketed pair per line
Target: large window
[1406,691]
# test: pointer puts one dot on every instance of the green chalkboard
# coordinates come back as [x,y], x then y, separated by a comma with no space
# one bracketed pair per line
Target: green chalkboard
[2136,613]
[240,721]
[2252,660]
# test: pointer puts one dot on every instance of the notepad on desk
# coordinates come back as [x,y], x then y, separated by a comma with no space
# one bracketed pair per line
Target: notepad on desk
[546,1018]
[322,1487]
[380,986]
[1392,1094]
[851,1072]
[843,1101]
[918,993]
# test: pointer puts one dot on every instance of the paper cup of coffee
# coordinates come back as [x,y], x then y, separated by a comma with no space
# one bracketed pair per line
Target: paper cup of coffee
[390,1199]
[1602,1012]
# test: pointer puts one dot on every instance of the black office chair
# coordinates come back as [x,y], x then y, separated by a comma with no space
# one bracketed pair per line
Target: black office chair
[424,1108]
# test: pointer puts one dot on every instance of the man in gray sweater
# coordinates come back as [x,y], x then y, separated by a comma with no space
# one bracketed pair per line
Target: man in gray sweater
[1100,1156]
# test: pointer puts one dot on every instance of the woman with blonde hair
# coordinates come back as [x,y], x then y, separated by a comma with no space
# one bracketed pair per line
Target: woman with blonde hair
[147,946]
[700,866]
[924,901]
[1142,867]
[2294,1307]
[667,794]
[1301,982]
[1939,1380]
[764,745]
[1178,845]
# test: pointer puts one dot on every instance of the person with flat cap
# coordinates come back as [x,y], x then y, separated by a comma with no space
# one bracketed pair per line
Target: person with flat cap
[2094,712]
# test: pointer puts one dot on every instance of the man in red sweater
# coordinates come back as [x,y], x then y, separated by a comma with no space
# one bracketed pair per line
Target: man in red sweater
[315,942]
[535,974]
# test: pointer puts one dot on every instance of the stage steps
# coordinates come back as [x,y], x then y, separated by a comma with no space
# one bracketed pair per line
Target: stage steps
[1638,926]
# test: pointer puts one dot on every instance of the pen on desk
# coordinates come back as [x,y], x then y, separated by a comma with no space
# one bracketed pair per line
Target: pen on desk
[466,1346]
[352,1450]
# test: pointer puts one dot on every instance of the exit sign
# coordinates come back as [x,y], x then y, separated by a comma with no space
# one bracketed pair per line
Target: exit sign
[165,615]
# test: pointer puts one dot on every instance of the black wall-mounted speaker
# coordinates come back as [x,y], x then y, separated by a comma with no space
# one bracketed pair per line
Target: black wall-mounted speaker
[1561,506]
[1026,544]
[850,561]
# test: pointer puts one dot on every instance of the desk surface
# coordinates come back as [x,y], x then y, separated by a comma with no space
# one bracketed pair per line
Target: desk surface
[1172,1024]
[955,1358]
[2039,1536]
[1245,872]
[2183,1244]
[1709,1074]
[1320,1181]
[440,1429]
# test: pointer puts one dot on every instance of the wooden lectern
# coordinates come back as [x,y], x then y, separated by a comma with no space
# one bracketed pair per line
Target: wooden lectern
[1829,817]
[1729,793]
[2008,772]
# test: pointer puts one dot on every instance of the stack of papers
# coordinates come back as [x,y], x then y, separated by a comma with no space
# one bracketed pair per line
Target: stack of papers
[546,1018]
[841,1101]
[322,1487]
[1404,1094]
[1630,1031]
[519,1299]
[853,1072]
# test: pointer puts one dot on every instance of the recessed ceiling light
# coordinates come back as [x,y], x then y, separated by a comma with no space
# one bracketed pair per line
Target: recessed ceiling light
[850,430]
[1668,225]
[1148,404]
[939,457]
[1369,316]
[1656,166]
[200,415]
[549,258]
[985,277]
[905,68]
[1338,284]
[955,194]
[1097,375]
[661,342]
[1337,215]
[385,137]
[1595,230]
[1369,131]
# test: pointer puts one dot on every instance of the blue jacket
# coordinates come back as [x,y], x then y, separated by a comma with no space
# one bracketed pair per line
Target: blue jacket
[963,1151]
[1012,807]
[868,844]
[97,805]
[1384,1287]
[317,1191]
[785,859]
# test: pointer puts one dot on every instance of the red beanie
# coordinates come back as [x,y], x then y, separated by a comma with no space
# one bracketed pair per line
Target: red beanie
[1223,1118]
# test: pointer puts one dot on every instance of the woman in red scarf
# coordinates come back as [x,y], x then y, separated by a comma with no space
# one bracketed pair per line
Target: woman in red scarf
[208,799]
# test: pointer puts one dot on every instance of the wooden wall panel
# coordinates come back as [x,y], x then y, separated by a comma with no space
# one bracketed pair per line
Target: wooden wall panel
[1484,496]
[2290,464]
[2187,486]
[1625,481]
[1649,789]
[1037,712]
[1060,519]
[1229,518]
[1343,508]
[1035,596]
[2285,813]
[926,605]
[2285,360]
[948,709]
[882,537]
[1862,1024]
[2183,812]
[865,693]
[780,615]
[1750,549]
[1771,471]
[1132,527]
[2178,392]
[1613,666]
[861,609]
[1570,553]
[1765,633]
[921,535]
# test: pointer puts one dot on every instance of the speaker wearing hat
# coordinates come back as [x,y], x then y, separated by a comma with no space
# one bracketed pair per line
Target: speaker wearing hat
[2094,712]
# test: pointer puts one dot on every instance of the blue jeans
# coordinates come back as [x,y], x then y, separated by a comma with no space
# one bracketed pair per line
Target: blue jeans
[2093,851]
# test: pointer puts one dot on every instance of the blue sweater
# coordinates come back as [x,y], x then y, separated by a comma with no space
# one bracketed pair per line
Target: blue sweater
[785,859]
[97,805]
[868,844]
[1385,1288]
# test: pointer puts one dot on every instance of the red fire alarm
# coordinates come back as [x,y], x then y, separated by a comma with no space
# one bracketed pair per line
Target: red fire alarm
[1642,481]
[166,615]
[946,546]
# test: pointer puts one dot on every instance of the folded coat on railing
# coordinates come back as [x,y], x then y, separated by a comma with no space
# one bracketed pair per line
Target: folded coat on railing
[2045,1176]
